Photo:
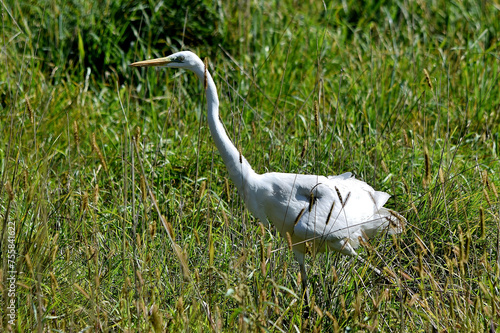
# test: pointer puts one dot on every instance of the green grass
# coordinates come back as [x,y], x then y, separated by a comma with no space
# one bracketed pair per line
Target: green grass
[405,95]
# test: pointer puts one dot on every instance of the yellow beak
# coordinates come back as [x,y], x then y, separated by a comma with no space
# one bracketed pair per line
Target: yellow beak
[152,62]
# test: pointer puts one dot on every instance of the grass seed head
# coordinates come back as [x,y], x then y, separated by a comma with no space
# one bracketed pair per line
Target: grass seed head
[27,259]
[343,307]
[285,270]
[170,229]
[128,282]
[25,179]
[156,319]
[389,272]
[140,279]
[316,115]
[484,177]
[420,267]
[421,245]
[9,190]
[84,203]
[486,196]
[427,78]
[262,230]
[414,208]
[202,189]
[494,189]
[405,184]
[197,275]
[95,195]
[482,223]
[318,311]
[143,188]
[224,217]
[55,239]
[152,229]
[54,284]
[30,110]
[54,253]
[414,299]
[81,290]
[183,259]
[427,163]
[137,135]
[98,151]
[406,139]
[138,240]
[197,237]
[335,323]
[395,242]
[289,241]
[384,166]
[334,275]
[304,149]
[142,306]
[297,219]
[441,175]
[211,251]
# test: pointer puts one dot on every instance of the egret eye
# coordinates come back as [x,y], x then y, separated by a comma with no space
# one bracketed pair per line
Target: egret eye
[180,59]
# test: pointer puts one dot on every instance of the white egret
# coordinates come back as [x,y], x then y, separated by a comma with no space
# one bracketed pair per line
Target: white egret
[332,212]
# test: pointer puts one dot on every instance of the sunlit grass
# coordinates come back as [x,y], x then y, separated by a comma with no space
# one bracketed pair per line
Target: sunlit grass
[404,96]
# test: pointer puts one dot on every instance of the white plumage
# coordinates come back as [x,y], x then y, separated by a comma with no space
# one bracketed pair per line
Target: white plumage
[327,212]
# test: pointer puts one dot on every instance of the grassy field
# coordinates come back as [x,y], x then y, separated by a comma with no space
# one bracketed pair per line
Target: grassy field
[98,159]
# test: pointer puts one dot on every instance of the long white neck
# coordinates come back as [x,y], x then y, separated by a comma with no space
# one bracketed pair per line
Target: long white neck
[238,167]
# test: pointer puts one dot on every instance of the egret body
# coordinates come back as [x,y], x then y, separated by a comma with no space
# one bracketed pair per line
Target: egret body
[329,213]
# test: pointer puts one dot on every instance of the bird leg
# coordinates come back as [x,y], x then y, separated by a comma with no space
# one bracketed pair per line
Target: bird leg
[305,292]
[348,250]
[375,269]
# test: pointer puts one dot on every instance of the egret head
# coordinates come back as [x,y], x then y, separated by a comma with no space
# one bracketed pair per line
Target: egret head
[183,59]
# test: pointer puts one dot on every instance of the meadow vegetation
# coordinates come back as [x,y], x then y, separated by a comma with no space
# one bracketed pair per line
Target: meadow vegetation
[125,219]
